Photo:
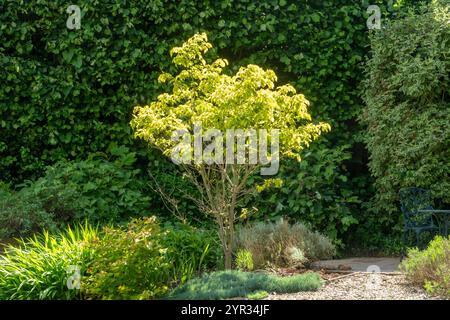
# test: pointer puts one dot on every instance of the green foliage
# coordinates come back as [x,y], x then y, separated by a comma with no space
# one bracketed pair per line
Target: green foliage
[33,209]
[202,93]
[249,100]
[105,190]
[167,177]
[430,267]
[316,191]
[144,260]
[90,78]
[98,189]
[139,262]
[39,267]
[4,187]
[281,244]
[244,260]
[371,238]
[129,263]
[231,284]
[407,96]
[190,251]
[257,295]
[69,93]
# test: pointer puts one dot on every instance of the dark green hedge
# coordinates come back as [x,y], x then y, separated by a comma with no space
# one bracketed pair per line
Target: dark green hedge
[67,93]
[407,92]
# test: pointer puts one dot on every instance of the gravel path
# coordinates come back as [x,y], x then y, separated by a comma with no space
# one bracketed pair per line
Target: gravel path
[361,286]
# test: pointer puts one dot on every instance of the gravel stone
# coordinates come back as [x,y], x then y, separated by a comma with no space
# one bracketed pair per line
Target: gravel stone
[362,286]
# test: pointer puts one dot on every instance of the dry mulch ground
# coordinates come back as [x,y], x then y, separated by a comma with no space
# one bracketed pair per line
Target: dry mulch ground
[360,286]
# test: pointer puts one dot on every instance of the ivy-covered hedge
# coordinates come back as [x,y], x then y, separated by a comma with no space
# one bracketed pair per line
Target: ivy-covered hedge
[66,93]
[407,92]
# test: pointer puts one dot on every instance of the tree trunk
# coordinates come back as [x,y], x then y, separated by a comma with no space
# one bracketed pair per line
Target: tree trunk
[228,244]
[226,235]
[228,259]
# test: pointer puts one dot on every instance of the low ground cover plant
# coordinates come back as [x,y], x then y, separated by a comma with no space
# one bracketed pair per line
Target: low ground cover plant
[233,283]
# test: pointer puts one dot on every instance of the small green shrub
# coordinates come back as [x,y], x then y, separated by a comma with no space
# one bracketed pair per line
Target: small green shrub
[22,214]
[244,260]
[38,206]
[430,267]
[190,251]
[39,267]
[282,244]
[230,284]
[129,263]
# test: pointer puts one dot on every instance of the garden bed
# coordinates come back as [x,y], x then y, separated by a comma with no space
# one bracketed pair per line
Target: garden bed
[361,286]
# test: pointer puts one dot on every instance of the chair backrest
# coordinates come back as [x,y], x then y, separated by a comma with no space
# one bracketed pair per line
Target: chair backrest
[412,200]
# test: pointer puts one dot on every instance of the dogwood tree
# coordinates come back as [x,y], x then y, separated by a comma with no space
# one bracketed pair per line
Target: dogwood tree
[206,111]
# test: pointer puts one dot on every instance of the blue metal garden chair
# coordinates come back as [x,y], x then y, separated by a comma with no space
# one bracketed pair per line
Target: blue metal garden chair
[412,201]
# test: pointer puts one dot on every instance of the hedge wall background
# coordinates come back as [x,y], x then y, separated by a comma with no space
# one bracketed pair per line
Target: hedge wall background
[67,93]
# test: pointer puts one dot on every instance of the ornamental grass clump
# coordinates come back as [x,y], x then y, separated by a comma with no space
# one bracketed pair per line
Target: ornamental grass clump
[40,267]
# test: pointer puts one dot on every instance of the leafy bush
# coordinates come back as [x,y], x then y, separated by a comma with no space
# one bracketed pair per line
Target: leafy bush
[4,187]
[231,284]
[281,244]
[39,267]
[129,263]
[98,189]
[68,93]
[190,251]
[244,260]
[104,190]
[407,95]
[26,212]
[170,187]
[144,260]
[430,267]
